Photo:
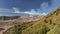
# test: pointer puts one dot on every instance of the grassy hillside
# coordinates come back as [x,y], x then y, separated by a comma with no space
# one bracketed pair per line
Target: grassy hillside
[55,30]
[18,28]
[50,24]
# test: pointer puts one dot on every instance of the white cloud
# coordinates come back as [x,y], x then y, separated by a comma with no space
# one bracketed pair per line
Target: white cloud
[16,10]
[48,8]
[4,10]
[31,12]
[44,6]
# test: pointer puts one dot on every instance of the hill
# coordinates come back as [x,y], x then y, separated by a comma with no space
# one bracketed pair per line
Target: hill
[7,22]
[49,24]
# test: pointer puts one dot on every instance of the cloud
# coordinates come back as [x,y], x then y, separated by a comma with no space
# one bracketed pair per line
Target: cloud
[44,6]
[4,10]
[31,12]
[16,10]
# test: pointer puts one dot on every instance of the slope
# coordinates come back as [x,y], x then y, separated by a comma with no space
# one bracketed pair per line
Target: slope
[46,24]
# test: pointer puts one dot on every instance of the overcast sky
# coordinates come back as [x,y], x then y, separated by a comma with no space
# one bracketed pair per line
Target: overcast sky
[27,7]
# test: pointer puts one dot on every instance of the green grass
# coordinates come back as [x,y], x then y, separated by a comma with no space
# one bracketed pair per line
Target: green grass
[55,30]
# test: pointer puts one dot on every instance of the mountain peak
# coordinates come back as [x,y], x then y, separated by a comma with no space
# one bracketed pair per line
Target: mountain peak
[55,11]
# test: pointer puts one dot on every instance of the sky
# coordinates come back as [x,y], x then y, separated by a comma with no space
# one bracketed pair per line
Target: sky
[27,7]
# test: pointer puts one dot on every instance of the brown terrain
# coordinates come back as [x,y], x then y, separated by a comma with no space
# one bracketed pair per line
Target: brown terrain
[6,24]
